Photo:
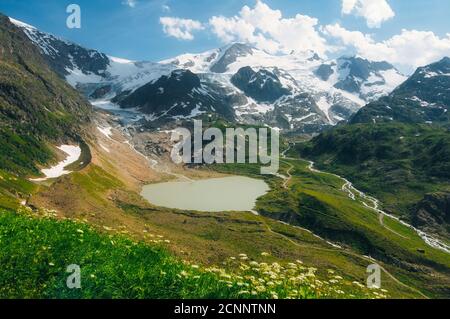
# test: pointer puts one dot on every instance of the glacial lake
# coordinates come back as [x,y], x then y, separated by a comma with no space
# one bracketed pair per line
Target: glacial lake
[234,193]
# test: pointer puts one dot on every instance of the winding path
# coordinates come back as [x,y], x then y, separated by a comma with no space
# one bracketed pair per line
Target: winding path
[289,175]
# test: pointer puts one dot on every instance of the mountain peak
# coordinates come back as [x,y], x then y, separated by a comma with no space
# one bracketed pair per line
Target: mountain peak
[445,59]
[358,75]
[423,98]
[436,69]
[21,24]
[230,54]
[444,64]
[238,46]
[363,63]
[263,85]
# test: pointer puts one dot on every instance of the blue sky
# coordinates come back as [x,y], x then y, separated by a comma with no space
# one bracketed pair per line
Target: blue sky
[132,29]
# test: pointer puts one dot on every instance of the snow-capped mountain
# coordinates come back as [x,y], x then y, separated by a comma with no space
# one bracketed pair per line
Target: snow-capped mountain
[297,94]
[298,91]
[184,92]
[356,75]
[423,98]
[91,71]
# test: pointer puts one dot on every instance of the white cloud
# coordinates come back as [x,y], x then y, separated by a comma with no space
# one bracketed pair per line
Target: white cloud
[180,28]
[374,11]
[268,30]
[130,3]
[165,8]
[410,48]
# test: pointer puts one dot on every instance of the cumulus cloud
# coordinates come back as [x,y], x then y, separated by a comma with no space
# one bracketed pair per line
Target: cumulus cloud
[180,28]
[130,3]
[268,30]
[410,48]
[374,11]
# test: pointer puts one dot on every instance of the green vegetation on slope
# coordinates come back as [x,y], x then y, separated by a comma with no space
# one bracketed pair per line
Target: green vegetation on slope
[317,202]
[395,162]
[37,251]
[36,106]
[205,238]
[13,188]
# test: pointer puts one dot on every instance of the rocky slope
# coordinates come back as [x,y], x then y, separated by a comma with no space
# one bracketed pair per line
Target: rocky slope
[433,213]
[262,86]
[36,106]
[423,98]
[366,79]
[183,90]
[64,56]
[88,70]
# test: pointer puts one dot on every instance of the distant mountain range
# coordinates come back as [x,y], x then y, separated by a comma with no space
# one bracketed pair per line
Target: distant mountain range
[297,92]
[423,98]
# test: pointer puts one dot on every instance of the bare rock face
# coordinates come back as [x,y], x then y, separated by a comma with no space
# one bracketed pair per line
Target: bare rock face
[231,55]
[432,213]
[263,86]
[101,92]
[178,95]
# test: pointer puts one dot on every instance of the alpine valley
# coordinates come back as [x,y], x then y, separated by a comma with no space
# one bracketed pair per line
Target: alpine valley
[82,133]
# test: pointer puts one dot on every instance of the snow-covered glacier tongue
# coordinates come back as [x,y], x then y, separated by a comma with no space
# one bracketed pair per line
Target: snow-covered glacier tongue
[366,79]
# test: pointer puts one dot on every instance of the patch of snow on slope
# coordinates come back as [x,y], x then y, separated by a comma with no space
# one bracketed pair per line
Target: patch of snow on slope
[132,75]
[196,63]
[422,103]
[73,154]
[120,60]
[324,106]
[76,76]
[106,131]
[105,148]
[305,117]
[194,113]
[393,79]
[21,24]
[431,74]
[381,84]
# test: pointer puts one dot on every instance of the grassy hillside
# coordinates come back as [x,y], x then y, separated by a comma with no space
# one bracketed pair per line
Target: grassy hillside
[398,163]
[317,202]
[36,106]
[36,252]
